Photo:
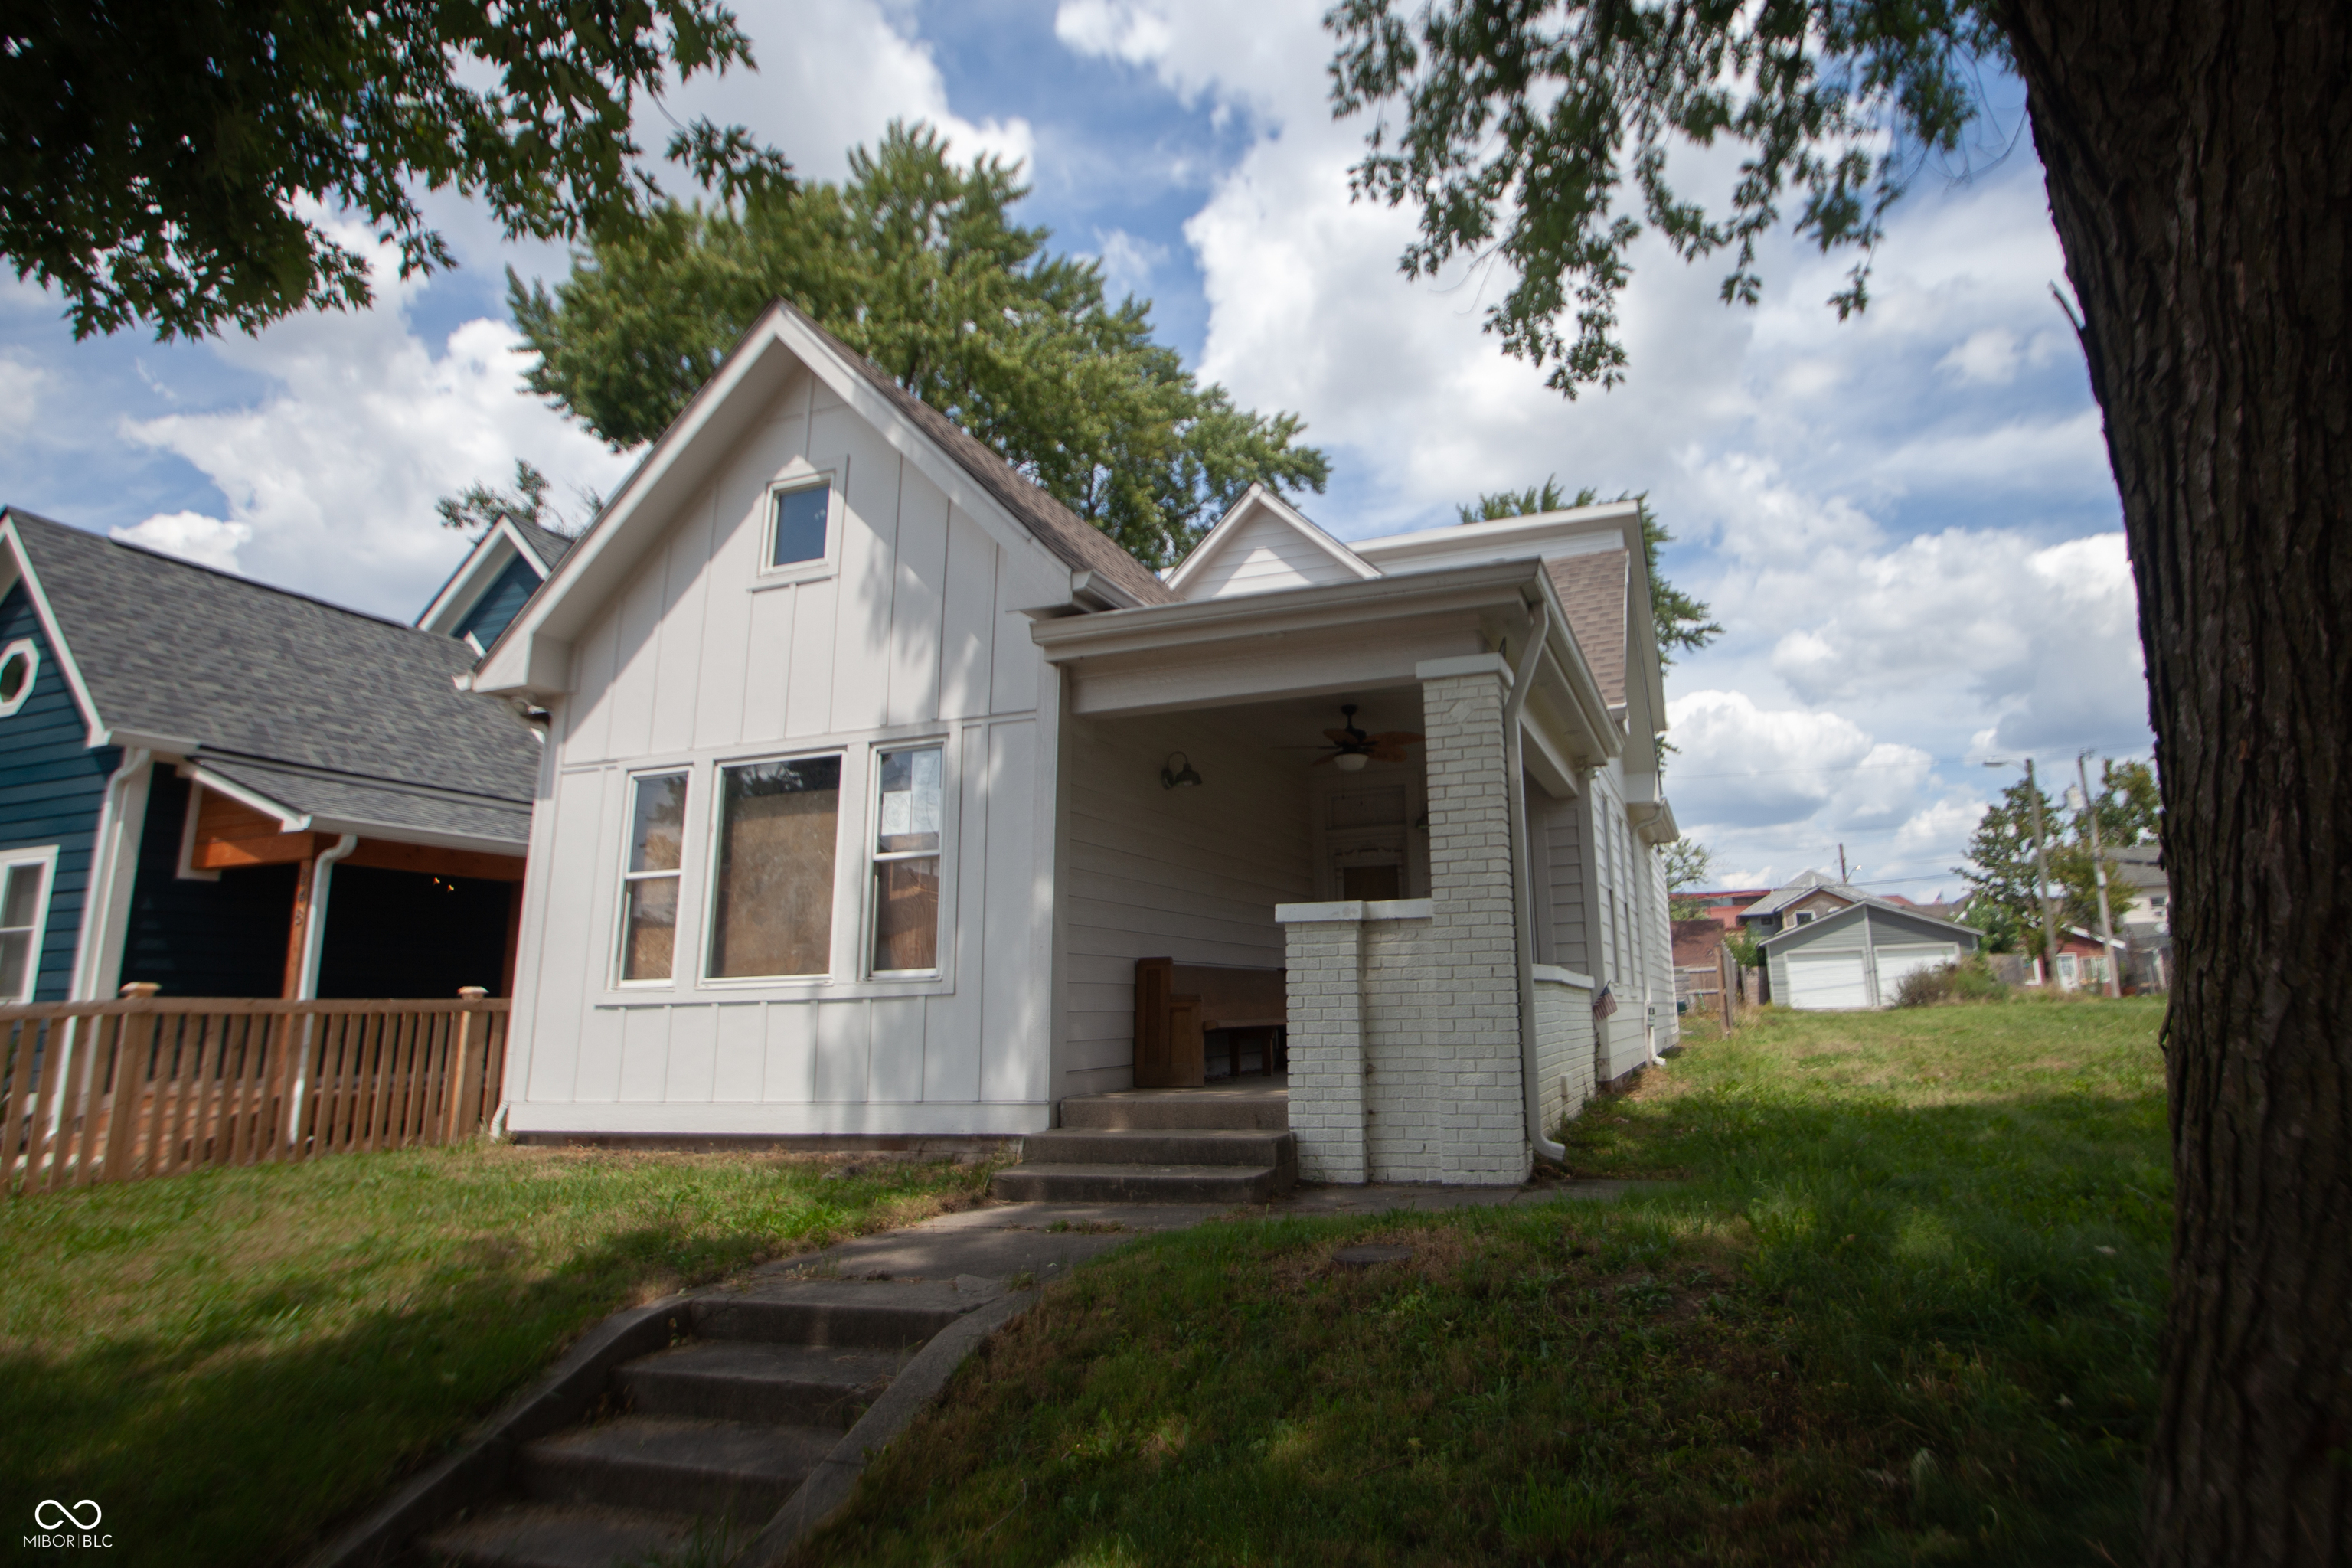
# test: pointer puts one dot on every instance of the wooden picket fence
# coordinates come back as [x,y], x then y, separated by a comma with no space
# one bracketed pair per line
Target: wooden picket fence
[115,1091]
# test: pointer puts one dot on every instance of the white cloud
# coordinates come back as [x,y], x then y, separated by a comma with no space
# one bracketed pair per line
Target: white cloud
[1128,263]
[334,473]
[20,394]
[191,536]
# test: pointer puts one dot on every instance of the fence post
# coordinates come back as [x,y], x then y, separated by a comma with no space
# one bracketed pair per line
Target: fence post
[130,1047]
[461,1061]
[1727,975]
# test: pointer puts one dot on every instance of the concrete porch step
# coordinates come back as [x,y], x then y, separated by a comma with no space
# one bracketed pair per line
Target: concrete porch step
[749,1380]
[1264,1108]
[733,1471]
[558,1535]
[1127,1184]
[1204,1146]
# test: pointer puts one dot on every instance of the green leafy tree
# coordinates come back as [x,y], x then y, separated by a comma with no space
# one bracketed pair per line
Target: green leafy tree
[915,261]
[2130,807]
[480,506]
[2000,872]
[1687,864]
[1682,621]
[157,162]
[2180,141]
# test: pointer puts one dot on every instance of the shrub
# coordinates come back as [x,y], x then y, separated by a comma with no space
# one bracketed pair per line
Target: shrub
[1971,980]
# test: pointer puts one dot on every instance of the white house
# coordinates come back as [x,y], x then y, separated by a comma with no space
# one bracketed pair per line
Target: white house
[871,773]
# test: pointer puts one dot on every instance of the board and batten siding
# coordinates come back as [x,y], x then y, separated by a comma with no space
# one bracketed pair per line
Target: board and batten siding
[916,638]
[1261,554]
[52,790]
[1191,874]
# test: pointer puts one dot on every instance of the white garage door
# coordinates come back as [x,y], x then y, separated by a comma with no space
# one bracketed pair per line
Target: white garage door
[1819,980]
[1897,960]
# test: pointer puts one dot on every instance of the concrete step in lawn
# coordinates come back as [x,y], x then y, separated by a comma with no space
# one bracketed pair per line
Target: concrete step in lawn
[1144,1183]
[1228,1143]
[699,1445]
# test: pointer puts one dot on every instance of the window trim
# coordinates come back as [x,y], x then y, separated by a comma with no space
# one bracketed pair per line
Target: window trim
[715,830]
[617,972]
[31,652]
[45,856]
[803,474]
[870,834]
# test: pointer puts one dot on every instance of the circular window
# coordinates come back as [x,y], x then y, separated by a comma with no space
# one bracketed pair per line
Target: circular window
[19,662]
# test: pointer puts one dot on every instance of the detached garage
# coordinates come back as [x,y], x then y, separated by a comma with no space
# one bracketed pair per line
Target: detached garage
[1858,956]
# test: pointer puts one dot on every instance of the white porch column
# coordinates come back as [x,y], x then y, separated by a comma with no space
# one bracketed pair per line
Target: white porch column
[1474,1042]
[1324,946]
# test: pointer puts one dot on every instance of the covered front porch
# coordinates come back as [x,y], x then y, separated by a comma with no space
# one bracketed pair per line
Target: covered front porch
[1432,912]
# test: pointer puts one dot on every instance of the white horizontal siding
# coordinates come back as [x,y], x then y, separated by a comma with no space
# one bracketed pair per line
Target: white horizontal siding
[1191,874]
[1264,553]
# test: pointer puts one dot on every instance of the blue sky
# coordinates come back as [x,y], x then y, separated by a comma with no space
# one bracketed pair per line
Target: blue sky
[1905,523]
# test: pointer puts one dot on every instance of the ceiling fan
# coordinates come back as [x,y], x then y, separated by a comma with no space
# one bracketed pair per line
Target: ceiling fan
[1351,748]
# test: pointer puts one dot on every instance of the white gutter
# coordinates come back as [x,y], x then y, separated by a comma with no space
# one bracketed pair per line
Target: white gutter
[1523,680]
[314,937]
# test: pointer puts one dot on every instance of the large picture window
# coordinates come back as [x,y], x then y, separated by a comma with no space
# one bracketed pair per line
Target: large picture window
[906,863]
[772,908]
[24,908]
[650,884]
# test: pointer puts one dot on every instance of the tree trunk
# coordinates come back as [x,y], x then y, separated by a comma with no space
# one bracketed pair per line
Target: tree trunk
[2200,166]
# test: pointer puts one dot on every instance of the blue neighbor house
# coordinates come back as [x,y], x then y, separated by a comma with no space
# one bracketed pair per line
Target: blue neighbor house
[230,790]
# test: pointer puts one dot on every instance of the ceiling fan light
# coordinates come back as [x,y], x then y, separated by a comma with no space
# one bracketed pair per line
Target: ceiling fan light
[1350,762]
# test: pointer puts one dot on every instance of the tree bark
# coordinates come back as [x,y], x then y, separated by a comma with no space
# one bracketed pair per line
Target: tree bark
[2198,159]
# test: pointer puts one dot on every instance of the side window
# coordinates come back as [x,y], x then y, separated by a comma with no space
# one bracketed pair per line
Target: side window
[23,912]
[649,879]
[771,904]
[906,863]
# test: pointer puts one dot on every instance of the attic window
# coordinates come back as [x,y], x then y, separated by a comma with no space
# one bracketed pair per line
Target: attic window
[20,663]
[802,515]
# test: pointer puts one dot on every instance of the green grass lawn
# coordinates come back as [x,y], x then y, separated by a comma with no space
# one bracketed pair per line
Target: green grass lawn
[228,1360]
[1901,1310]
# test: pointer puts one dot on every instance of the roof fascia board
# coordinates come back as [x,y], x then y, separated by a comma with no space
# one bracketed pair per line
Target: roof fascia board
[291,820]
[1220,538]
[395,833]
[22,560]
[1623,518]
[1159,626]
[1854,912]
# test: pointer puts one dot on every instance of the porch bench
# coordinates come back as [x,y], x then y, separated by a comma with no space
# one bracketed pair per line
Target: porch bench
[1178,1005]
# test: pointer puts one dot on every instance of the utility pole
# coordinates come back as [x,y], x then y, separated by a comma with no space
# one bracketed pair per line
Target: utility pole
[2099,864]
[2042,882]
[1840,862]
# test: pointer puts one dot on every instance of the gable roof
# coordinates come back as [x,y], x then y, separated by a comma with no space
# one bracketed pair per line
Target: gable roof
[508,540]
[1592,590]
[532,655]
[1806,884]
[354,719]
[1326,559]
[545,543]
[1796,936]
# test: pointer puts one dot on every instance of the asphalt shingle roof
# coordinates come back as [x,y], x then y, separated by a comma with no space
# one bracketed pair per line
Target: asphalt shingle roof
[545,542]
[1592,591]
[255,675]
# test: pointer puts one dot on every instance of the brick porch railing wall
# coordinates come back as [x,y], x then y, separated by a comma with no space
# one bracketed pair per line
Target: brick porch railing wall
[1404,1016]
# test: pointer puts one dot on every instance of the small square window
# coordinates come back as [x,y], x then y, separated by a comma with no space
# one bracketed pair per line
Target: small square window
[802,516]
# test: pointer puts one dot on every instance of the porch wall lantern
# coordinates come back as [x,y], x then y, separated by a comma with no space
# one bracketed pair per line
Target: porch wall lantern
[1178,770]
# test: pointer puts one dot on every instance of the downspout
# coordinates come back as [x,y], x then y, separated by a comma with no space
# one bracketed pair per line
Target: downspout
[99,908]
[1523,681]
[314,938]
[305,988]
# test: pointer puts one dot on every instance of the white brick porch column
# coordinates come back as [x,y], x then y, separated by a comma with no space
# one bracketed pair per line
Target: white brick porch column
[1324,944]
[1474,1041]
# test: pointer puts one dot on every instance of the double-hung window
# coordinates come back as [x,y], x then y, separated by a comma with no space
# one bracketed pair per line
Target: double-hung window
[906,863]
[649,885]
[771,908]
[23,912]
